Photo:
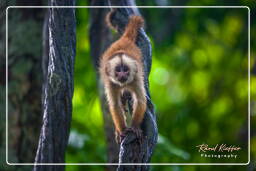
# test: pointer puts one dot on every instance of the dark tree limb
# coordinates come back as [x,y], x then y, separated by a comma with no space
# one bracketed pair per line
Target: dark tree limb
[58,90]
[45,52]
[132,150]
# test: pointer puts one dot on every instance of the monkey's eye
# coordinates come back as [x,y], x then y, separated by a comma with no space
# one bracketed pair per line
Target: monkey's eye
[118,68]
[125,68]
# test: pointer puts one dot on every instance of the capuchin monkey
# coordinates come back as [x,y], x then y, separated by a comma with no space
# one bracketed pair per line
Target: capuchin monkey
[121,70]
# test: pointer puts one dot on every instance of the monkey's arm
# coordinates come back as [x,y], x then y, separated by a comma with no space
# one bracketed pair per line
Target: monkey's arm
[139,107]
[115,109]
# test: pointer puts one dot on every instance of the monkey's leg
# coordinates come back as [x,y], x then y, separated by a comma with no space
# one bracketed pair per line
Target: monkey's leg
[115,105]
[139,109]
[118,119]
[119,122]
[139,106]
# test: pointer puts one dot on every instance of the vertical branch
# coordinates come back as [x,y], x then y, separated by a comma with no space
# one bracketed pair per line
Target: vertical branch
[58,91]
[45,52]
[132,150]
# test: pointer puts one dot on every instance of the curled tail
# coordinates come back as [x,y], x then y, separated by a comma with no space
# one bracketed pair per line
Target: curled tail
[131,30]
[109,18]
[134,24]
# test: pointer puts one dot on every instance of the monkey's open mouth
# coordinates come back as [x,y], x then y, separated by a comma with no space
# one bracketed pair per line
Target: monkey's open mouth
[122,79]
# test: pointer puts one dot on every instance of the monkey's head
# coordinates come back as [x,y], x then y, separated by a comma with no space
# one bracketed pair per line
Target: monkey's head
[121,69]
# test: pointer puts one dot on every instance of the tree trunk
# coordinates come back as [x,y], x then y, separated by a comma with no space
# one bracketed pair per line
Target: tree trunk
[131,149]
[58,88]
[24,84]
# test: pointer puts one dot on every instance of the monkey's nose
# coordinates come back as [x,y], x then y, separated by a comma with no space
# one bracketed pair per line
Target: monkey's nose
[122,76]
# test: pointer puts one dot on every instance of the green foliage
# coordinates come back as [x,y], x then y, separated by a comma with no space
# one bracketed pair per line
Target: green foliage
[199,83]
[22,41]
[87,141]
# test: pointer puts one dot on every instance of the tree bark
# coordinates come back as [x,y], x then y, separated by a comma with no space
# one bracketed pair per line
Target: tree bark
[58,89]
[132,150]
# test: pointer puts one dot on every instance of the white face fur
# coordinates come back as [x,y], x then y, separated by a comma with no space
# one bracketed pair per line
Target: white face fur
[124,59]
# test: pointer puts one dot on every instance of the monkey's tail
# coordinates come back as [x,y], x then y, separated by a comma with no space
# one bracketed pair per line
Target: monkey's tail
[131,30]
[133,26]
[108,20]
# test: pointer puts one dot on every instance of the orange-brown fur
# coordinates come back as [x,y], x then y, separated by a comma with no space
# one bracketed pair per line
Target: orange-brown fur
[125,45]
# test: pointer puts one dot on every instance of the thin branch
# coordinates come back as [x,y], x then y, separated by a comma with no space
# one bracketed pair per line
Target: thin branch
[133,150]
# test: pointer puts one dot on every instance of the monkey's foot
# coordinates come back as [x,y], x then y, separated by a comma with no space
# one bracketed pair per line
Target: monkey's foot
[119,137]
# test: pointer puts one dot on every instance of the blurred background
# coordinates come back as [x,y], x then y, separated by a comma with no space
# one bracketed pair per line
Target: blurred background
[198,83]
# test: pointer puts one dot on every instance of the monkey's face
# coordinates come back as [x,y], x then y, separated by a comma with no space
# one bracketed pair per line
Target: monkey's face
[122,69]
